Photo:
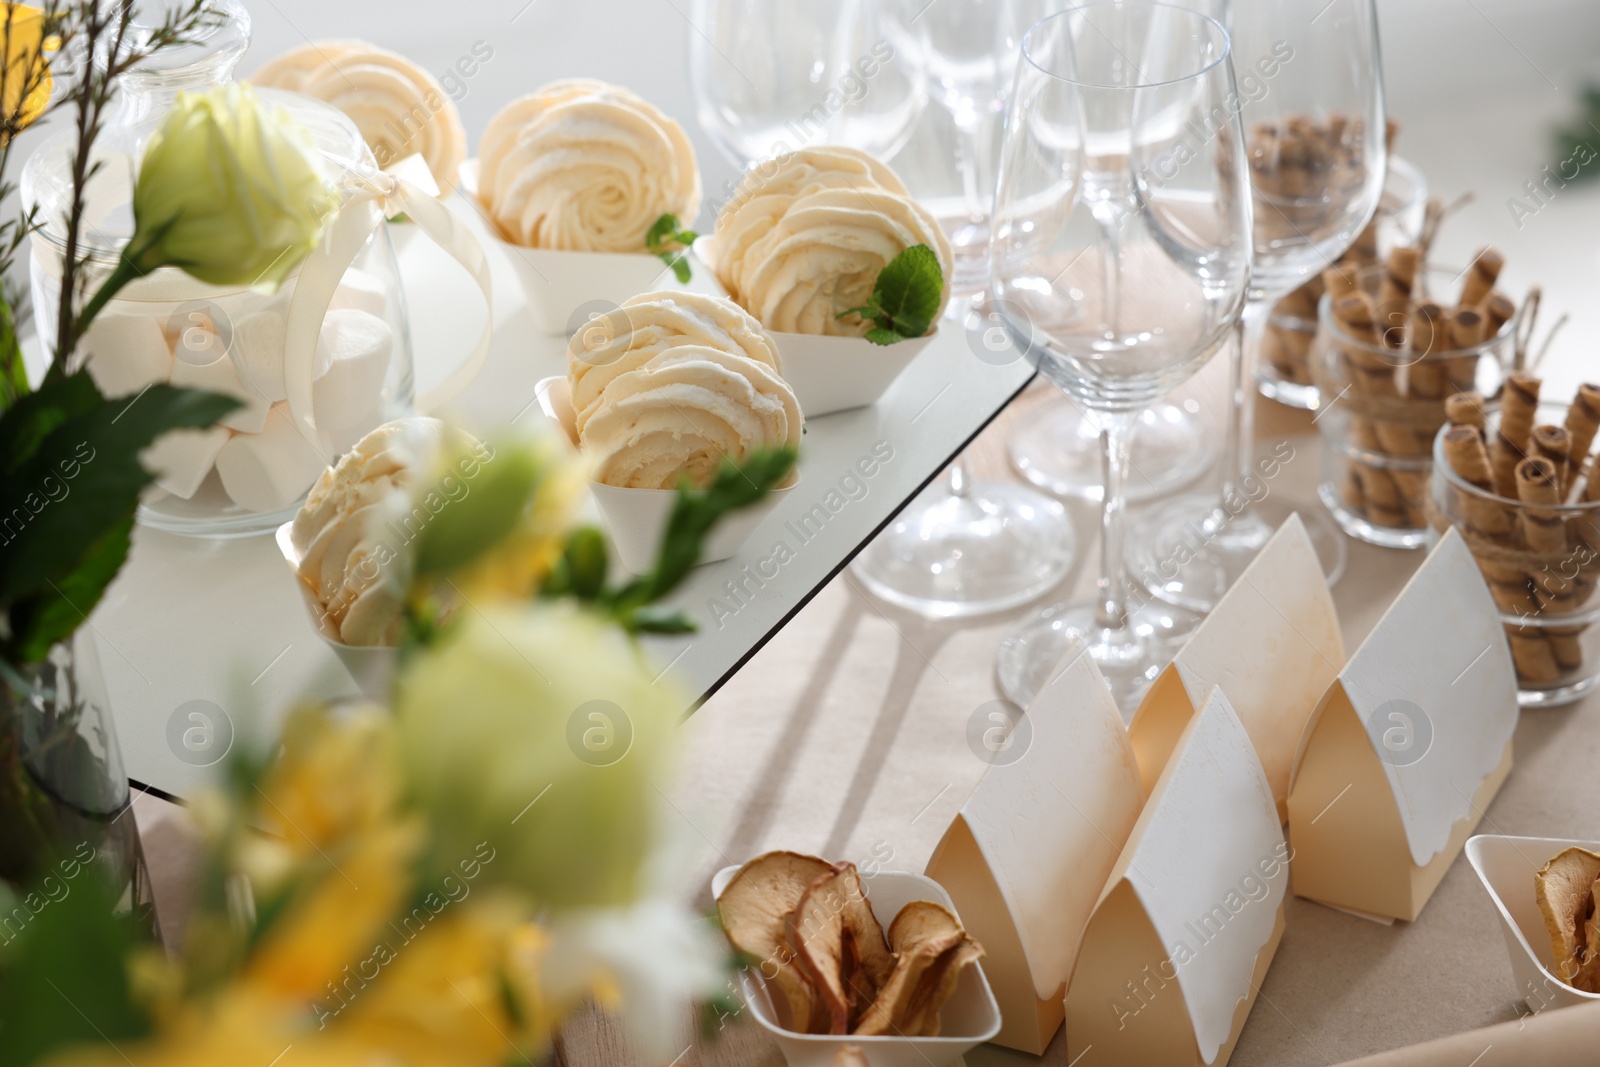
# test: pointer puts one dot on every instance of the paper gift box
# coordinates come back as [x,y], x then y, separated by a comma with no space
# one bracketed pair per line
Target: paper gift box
[1408,746]
[1272,644]
[1026,856]
[1190,919]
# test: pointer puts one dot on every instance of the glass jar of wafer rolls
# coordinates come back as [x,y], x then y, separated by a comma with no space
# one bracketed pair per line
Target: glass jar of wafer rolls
[1397,345]
[1521,488]
[1284,371]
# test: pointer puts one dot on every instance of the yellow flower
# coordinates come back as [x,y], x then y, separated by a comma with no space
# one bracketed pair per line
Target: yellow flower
[230,190]
[338,921]
[26,63]
[450,995]
[536,731]
[338,775]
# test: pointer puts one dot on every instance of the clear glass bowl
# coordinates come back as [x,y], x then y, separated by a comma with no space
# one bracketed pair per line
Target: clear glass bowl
[1546,599]
[1381,417]
[249,475]
[1284,372]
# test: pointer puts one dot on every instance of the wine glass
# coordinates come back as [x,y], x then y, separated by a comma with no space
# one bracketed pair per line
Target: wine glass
[1120,257]
[774,78]
[1313,105]
[965,547]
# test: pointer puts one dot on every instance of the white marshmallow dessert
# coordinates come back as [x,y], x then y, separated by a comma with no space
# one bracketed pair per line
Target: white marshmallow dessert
[383,94]
[348,556]
[584,166]
[676,383]
[805,236]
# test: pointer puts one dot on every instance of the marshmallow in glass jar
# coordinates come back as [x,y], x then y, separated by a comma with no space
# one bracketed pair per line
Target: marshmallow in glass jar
[302,404]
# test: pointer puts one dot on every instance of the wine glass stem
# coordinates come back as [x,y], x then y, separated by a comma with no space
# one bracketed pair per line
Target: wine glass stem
[1111,608]
[1237,461]
[971,130]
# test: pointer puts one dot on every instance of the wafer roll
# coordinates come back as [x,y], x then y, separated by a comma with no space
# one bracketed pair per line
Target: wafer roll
[1467,326]
[1481,276]
[1532,655]
[1583,423]
[1539,489]
[1371,373]
[1516,425]
[1394,293]
[1553,443]
[1465,409]
[1464,451]
[1427,378]
[1339,281]
[1565,647]
[1498,309]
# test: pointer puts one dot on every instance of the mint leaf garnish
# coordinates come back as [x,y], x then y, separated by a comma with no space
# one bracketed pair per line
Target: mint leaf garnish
[670,243]
[905,298]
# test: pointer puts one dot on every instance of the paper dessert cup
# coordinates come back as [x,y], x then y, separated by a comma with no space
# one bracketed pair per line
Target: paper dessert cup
[637,518]
[557,284]
[969,1018]
[371,667]
[830,374]
[1507,866]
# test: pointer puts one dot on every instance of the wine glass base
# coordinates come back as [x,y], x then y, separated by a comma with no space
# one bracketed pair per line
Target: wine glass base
[1129,659]
[1188,552]
[947,556]
[1057,449]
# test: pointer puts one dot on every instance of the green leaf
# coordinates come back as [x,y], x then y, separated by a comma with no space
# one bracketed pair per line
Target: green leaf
[585,562]
[63,977]
[909,289]
[77,481]
[905,298]
[13,374]
[656,621]
[693,515]
[670,243]
[56,613]
[460,531]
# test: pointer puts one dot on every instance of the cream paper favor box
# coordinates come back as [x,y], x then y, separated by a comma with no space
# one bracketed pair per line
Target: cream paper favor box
[1025,858]
[1272,644]
[1190,919]
[1408,746]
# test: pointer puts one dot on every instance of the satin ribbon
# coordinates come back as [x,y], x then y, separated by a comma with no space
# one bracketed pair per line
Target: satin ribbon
[378,197]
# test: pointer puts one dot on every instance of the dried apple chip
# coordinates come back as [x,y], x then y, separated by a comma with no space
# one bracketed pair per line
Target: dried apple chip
[938,985]
[754,908]
[920,935]
[816,934]
[1564,888]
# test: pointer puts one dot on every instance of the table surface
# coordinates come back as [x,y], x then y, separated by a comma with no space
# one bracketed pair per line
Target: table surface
[845,733]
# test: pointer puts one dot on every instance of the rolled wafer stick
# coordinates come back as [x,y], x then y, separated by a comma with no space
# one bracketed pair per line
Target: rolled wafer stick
[1427,376]
[1481,276]
[1583,423]
[1565,647]
[1516,425]
[1371,372]
[1465,409]
[1532,655]
[1539,489]
[1394,293]
[1553,443]
[1339,281]
[1498,309]
[1466,330]
[1464,451]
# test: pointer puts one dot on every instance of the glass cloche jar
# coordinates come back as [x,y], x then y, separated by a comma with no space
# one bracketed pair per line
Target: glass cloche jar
[305,401]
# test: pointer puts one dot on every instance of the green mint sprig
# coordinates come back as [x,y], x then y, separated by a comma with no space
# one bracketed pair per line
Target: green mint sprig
[669,242]
[905,298]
